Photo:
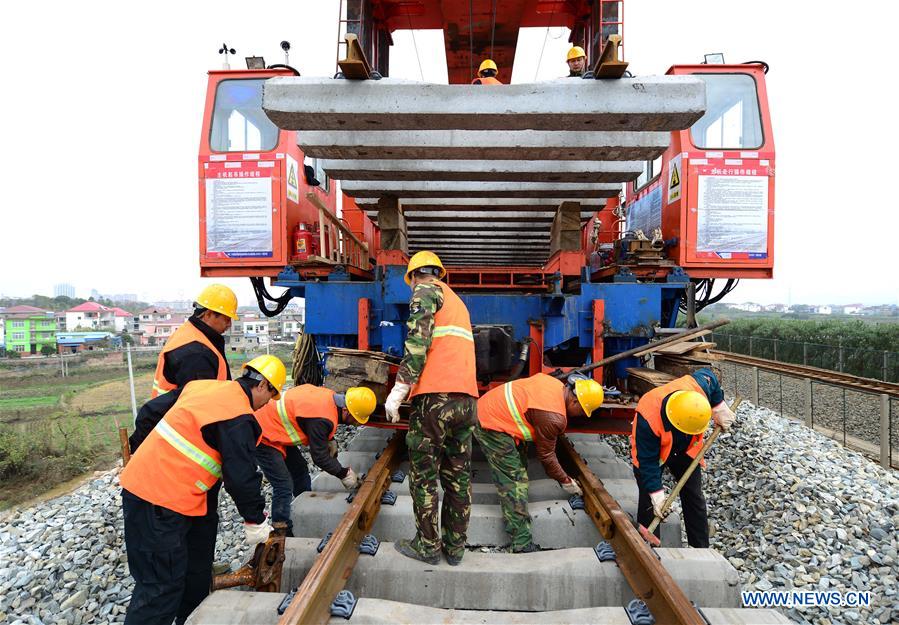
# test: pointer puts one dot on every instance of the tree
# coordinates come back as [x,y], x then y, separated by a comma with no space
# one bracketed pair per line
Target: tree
[48,350]
[13,354]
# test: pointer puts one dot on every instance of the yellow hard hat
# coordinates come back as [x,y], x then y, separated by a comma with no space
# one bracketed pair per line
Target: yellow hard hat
[421,259]
[487,64]
[219,298]
[589,395]
[689,411]
[575,53]
[361,402]
[271,368]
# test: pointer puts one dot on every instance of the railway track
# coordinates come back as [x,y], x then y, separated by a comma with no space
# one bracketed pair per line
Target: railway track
[593,566]
[868,385]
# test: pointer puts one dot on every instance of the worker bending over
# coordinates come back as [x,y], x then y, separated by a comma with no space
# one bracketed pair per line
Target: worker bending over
[438,373]
[487,74]
[170,489]
[577,62]
[669,430]
[306,415]
[196,350]
[534,409]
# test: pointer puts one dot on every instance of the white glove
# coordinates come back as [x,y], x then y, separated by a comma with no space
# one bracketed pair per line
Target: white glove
[257,532]
[723,416]
[350,480]
[332,448]
[396,397]
[571,487]
[658,500]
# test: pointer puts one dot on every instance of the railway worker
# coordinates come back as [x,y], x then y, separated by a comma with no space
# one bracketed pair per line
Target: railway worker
[534,409]
[668,430]
[196,350]
[577,62]
[170,489]
[306,415]
[487,74]
[438,373]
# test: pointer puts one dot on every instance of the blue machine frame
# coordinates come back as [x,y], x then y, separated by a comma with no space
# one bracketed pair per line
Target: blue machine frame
[632,311]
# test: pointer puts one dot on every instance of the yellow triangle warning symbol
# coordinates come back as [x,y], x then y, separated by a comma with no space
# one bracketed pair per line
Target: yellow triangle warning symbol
[292,176]
[675,177]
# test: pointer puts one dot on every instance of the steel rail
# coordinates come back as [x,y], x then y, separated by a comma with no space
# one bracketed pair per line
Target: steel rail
[332,568]
[836,378]
[644,573]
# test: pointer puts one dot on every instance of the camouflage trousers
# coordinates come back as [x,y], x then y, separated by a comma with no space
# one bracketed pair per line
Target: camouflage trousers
[509,469]
[439,444]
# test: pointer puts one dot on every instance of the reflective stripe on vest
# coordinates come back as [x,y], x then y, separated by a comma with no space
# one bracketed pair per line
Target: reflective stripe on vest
[513,410]
[188,449]
[158,389]
[462,333]
[285,421]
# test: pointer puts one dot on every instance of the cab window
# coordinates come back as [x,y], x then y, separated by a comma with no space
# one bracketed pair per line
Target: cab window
[732,120]
[238,121]
[651,169]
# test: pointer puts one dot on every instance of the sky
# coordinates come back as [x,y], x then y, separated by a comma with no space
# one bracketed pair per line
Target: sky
[102,103]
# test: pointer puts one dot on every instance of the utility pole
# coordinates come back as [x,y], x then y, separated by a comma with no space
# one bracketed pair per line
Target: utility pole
[131,384]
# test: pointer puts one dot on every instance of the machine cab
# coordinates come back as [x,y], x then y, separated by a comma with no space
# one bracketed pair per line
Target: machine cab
[255,186]
[712,192]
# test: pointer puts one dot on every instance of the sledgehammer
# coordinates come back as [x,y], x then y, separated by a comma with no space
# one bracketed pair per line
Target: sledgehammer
[647,532]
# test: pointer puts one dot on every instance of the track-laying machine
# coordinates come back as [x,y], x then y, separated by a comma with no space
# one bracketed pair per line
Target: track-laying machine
[577,217]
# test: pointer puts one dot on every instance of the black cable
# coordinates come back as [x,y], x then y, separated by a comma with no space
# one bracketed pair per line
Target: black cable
[283,66]
[262,295]
[492,29]
[470,39]
[764,65]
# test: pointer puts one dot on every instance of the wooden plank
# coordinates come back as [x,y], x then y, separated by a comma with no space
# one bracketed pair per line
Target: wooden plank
[678,367]
[641,380]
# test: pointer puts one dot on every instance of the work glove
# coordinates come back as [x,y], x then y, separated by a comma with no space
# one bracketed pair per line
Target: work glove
[350,480]
[572,488]
[658,500]
[332,448]
[396,397]
[256,533]
[723,416]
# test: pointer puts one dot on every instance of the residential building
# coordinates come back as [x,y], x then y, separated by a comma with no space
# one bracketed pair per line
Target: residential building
[288,325]
[853,309]
[746,307]
[249,332]
[824,310]
[63,289]
[2,332]
[177,304]
[28,329]
[156,324]
[73,342]
[94,316]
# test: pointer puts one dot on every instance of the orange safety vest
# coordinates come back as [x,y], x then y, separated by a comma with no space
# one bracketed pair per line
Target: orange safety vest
[174,466]
[650,407]
[450,361]
[504,408]
[186,333]
[486,80]
[279,419]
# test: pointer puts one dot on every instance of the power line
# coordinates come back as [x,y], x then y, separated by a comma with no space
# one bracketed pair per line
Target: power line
[492,29]
[414,43]
[471,40]
[543,47]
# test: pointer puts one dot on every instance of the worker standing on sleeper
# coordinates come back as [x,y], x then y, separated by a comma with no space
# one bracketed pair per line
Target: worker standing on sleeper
[577,62]
[196,350]
[669,430]
[534,409]
[487,74]
[438,373]
[306,415]
[170,489]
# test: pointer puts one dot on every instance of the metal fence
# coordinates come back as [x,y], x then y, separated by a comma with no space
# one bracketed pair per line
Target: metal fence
[867,422]
[867,363]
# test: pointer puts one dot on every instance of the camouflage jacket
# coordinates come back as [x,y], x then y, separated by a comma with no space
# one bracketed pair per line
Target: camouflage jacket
[426,301]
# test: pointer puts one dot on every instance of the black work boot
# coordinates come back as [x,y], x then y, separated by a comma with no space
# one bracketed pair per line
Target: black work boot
[405,547]
[531,547]
[452,560]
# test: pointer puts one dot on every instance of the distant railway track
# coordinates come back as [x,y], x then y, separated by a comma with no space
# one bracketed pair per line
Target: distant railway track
[845,380]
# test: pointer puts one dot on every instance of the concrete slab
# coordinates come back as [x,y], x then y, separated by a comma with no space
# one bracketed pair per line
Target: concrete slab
[443,189]
[472,170]
[235,607]
[645,103]
[546,580]
[485,144]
